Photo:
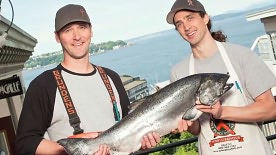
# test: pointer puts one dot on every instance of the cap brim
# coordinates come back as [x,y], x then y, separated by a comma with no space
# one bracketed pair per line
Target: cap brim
[170,16]
[72,21]
[172,13]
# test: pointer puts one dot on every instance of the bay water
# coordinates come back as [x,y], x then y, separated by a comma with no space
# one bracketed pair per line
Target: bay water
[151,57]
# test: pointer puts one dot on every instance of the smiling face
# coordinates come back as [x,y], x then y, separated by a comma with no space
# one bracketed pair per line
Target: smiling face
[191,26]
[75,39]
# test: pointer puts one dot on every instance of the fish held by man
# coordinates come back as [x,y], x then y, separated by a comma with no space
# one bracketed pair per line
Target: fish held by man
[159,113]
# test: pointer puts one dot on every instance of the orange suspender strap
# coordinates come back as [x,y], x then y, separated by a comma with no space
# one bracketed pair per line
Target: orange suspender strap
[110,91]
[74,119]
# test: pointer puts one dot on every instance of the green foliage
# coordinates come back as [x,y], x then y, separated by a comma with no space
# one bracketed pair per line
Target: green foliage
[44,60]
[57,57]
[188,149]
[110,45]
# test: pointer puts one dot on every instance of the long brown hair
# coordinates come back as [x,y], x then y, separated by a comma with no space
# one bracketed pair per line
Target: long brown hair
[218,35]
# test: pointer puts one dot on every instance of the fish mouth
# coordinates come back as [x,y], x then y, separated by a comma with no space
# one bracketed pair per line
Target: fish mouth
[227,87]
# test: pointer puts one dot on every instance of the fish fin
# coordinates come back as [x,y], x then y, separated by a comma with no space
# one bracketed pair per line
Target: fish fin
[192,114]
[198,114]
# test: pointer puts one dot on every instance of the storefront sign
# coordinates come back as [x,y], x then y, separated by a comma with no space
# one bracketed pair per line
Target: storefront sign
[10,87]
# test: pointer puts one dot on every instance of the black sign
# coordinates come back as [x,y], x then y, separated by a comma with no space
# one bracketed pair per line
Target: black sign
[10,87]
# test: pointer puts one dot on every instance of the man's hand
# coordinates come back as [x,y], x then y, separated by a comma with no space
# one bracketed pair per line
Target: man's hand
[215,109]
[86,135]
[150,140]
[183,125]
[191,126]
[103,150]
[194,126]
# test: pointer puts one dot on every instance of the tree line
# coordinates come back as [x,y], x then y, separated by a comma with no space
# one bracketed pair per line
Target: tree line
[57,57]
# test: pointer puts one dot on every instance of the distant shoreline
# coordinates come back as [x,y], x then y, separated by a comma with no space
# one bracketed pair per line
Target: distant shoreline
[56,57]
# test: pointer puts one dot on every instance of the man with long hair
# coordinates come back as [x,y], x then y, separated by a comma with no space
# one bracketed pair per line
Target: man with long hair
[229,127]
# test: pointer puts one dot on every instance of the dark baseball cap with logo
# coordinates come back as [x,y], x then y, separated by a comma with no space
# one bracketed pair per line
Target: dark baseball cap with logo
[70,13]
[192,5]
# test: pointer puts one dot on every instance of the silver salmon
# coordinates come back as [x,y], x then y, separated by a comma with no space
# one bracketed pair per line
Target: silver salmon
[159,112]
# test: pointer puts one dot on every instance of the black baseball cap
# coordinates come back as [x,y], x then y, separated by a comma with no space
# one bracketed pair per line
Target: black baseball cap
[192,5]
[70,13]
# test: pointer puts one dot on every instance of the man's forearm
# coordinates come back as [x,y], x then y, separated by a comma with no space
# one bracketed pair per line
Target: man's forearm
[264,108]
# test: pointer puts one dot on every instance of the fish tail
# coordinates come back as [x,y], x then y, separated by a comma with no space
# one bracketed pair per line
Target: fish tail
[63,142]
[75,146]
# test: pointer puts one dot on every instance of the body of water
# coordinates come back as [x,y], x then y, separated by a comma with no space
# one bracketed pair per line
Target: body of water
[152,56]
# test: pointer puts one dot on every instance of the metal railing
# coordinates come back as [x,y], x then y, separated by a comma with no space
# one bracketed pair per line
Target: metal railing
[187,141]
[265,45]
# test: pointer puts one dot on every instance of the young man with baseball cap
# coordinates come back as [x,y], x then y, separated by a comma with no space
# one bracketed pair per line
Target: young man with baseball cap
[74,98]
[229,126]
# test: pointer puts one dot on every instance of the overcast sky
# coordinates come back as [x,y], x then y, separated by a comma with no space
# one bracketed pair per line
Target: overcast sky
[111,19]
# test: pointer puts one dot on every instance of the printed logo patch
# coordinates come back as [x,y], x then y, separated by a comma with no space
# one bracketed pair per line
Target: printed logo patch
[190,2]
[223,128]
[82,11]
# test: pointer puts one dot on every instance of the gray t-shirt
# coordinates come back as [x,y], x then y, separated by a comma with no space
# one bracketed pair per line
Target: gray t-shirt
[92,102]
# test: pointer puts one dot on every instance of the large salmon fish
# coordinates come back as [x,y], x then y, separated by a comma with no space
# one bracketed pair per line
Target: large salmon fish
[159,113]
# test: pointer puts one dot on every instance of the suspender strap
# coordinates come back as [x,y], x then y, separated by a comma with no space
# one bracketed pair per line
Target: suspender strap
[74,119]
[110,91]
